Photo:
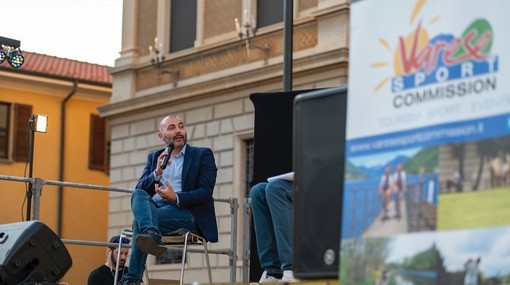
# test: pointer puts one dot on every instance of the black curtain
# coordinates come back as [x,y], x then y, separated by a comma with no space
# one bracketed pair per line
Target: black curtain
[272,147]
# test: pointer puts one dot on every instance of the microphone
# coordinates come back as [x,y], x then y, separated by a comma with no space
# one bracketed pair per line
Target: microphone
[169,149]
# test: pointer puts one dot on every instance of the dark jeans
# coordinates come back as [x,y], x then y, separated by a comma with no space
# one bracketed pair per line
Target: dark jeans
[162,216]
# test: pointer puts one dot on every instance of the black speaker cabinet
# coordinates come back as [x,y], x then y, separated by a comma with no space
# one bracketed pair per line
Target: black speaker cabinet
[318,162]
[31,252]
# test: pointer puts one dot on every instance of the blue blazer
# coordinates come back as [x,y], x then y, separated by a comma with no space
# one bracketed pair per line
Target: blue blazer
[198,179]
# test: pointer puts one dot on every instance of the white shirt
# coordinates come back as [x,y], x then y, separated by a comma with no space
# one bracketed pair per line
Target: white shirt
[172,173]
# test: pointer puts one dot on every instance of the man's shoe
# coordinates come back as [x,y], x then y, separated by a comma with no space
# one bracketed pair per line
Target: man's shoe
[150,243]
[268,278]
[288,277]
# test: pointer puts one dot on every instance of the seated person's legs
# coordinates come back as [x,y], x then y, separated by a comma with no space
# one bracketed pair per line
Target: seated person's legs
[264,232]
[272,214]
[152,219]
[279,200]
[172,217]
[145,219]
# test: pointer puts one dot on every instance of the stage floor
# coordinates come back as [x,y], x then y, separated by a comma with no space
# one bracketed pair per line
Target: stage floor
[307,282]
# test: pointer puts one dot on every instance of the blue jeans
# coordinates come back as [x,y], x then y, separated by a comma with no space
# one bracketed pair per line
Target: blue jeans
[272,216]
[162,217]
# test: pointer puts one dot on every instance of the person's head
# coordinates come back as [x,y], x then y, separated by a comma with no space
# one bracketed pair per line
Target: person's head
[112,252]
[172,130]
[400,167]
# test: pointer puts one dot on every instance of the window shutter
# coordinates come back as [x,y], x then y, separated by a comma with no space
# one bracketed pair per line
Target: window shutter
[22,114]
[5,116]
[98,153]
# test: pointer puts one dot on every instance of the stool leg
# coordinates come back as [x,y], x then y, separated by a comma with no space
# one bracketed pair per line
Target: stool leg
[184,251]
[123,234]
[118,257]
[207,260]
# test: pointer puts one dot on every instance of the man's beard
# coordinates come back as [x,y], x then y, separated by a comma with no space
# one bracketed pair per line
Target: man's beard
[184,138]
[114,262]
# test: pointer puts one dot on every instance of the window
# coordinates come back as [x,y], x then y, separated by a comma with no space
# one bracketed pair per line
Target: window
[249,164]
[99,147]
[4,130]
[183,24]
[269,12]
[19,115]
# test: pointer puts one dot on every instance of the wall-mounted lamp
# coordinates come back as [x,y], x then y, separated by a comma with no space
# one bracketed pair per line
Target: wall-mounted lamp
[37,123]
[247,31]
[157,58]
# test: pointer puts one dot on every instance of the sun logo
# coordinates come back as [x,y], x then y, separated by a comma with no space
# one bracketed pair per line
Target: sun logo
[419,59]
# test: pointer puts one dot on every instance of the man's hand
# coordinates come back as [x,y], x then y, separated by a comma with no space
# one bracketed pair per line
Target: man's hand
[159,170]
[167,193]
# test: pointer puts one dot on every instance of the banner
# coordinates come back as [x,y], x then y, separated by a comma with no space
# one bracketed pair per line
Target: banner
[428,143]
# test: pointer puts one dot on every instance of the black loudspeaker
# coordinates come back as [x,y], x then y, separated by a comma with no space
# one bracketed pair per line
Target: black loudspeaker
[30,252]
[318,162]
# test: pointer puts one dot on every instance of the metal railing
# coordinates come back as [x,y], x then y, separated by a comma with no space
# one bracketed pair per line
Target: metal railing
[37,186]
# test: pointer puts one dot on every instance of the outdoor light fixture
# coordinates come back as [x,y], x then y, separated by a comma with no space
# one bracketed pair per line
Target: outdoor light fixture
[40,123]
[10,51]
[157,58]
[3,55]
[248,31]
[37,123]
[15,57]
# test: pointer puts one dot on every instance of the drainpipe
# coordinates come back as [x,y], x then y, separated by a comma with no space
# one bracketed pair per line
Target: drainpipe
[60,199]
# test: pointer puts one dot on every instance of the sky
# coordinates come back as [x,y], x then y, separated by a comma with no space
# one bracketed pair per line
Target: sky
[84,30]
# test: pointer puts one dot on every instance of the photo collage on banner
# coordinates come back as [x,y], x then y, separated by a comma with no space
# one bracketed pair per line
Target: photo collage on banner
[427,172]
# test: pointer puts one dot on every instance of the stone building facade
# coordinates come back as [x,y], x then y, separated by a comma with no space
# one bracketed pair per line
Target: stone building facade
[208,83]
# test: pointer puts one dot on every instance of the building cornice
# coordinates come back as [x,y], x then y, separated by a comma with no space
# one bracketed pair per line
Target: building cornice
[246,77]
